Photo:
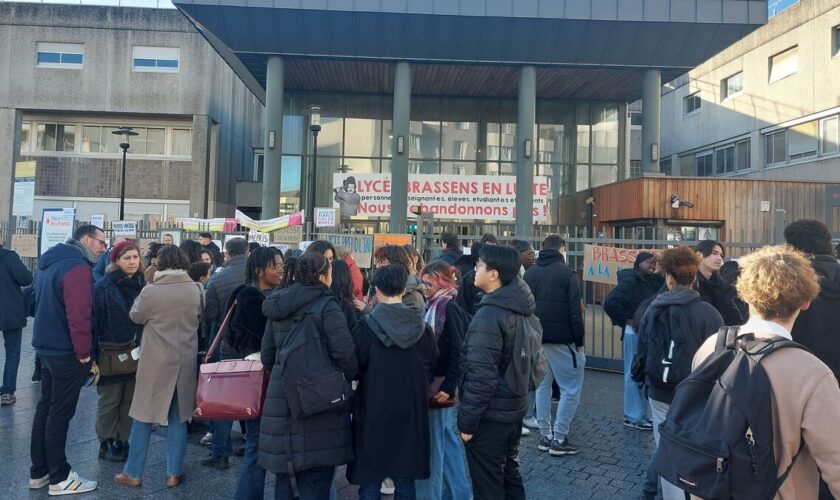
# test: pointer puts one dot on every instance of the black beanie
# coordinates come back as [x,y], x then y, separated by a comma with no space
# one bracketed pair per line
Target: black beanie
[643,256]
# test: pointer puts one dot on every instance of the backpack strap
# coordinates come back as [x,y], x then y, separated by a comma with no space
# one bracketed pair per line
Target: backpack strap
[726,338]
[781,479]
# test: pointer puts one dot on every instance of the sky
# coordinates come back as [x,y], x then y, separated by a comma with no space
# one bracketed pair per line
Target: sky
[776,6]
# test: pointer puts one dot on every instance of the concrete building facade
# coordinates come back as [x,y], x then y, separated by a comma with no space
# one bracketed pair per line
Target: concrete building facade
[767,107]
[73,74]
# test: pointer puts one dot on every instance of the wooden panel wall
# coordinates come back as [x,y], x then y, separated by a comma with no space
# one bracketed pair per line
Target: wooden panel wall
[734,202]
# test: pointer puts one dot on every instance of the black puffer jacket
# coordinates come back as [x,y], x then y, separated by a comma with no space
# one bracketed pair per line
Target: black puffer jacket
[555,288]
[818,328]
[721,296]
[321,440]
[13,276]
[487,351]
[633,289]
[469,295]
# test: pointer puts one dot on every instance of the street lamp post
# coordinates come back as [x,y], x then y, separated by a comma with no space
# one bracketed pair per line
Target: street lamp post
[314,113]
[126,133]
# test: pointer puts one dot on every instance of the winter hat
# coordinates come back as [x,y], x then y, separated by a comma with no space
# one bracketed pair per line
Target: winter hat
[643,256]
[119,248]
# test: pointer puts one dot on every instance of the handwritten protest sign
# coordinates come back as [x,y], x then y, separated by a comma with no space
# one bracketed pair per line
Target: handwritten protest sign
[601,264]
[26,245]
[360,244]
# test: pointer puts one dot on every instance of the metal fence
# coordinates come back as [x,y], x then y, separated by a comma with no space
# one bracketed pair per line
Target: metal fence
[602,340]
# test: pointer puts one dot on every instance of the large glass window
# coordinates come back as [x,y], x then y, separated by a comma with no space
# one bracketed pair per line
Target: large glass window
[604,174]
[775,148]
[802,140]
[556,132]
[743,153]
[181,142]
[363,137]
[605,133]
[704,164]
[60,55]
[56,137]
[784,64]
[91,139]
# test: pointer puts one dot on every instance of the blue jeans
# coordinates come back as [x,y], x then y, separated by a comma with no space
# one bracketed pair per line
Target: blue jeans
[221,446]
[251,476]
[531,411]
[448,461]
[635,404]
[565,365]
[11,341]
[658,411]
[403,490]
[176,444]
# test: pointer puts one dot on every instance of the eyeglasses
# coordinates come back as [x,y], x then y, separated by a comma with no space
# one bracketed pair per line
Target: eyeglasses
[103,242]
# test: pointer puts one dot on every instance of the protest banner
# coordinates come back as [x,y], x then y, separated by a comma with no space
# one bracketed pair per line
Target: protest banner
[26,245]
[326,217]
[56,227]
[269,225]
[124,229]
[291,235]
[446,196]
[262,238]
[360,244]
[217,225]
[382,239]
[601,264]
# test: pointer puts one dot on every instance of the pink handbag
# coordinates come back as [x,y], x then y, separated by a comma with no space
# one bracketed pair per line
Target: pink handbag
[233,389]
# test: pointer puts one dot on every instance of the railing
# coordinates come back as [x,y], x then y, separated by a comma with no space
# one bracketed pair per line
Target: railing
[603,340]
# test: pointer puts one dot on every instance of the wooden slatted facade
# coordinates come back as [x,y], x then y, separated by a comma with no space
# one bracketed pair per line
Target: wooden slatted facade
[734,203]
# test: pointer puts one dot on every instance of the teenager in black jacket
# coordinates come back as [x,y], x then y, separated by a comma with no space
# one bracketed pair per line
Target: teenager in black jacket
[113,297]
[712,287]
[490,415]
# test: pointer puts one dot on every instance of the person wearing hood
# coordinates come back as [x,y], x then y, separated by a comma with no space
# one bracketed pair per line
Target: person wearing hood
[678,318]
[13,276]
[396,353]
[712,287]
[63,338]
[113,297]
[635,286]
[451,248]
[555,288]
[304,450]
[490,415]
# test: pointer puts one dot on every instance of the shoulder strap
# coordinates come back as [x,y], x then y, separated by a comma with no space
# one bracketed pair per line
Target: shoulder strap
[781,479]
[726,337]
[757,349]
[221,333]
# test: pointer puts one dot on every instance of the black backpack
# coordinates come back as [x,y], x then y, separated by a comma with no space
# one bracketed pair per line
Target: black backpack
[527,366]
[664,351]
[717,440]
[311,381]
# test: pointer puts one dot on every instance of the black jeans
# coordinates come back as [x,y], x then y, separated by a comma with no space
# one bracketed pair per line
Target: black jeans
[312,484]
[492,456]
[62,378]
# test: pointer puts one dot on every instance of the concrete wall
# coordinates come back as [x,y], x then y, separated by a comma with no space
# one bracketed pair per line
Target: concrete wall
[812,89]
[204,91]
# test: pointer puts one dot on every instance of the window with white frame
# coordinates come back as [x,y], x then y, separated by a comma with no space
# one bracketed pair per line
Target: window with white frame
[775,147]
[732,86]
[830,135]
[56,137]
[60,55]
[692,103]
[732,157]
[93,139]
[25,134]
[156,59]
[784,64]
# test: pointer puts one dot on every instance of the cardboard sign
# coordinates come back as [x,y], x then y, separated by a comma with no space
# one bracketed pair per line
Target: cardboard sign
[56,227]
[360,244]
[124,229]
[262,238]
[26,245]
[291,235]
[446,196]
[601,264]
[380,240]
[326,217]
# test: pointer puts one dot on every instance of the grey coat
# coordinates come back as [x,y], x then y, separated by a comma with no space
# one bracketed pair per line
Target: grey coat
[170,310]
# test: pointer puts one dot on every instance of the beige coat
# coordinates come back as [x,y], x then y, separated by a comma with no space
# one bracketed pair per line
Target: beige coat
[805,401]
[170,308]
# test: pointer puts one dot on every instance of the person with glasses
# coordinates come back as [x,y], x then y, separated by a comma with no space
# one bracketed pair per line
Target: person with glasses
[63,338]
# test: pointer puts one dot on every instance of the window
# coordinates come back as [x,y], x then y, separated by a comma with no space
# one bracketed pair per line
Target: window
[92,139]
[692,103]
[156,59]
[636,119]
[56,137]
[784,64]
[802,140]
[259,165]
[732,86]
[25,128]
[725,160]
[829,136]
[635,168]
[742,151]
[835,41]
[775,148]
[704,164]
[181,142]
[665,167]
[60,55]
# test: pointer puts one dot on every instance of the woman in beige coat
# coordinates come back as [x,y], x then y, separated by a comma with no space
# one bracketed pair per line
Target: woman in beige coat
[170,309]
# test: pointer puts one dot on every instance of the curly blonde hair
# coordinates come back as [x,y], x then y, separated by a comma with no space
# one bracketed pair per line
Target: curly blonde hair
[776,281]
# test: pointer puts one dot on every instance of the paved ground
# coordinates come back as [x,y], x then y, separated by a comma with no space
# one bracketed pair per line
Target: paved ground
[610,465]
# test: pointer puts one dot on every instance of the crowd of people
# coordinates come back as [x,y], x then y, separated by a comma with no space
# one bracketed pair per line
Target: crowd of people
[444,380]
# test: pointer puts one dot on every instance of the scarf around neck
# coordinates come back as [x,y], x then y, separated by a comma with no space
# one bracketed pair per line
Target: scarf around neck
[435,315]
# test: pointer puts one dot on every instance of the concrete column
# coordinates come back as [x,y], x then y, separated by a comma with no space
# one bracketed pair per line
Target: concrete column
[651,103]
[200,182]
[399,162]
[524,224]
[274,82]
[10,120]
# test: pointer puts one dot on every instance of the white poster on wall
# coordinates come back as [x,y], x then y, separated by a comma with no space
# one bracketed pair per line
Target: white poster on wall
[56,227]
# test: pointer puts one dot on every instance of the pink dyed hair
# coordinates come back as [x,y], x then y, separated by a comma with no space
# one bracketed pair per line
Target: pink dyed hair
[440,273]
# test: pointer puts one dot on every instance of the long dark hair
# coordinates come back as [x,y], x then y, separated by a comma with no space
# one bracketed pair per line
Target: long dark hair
[342,281]
[289,265]
[310,267]
[192,249]
[261,258]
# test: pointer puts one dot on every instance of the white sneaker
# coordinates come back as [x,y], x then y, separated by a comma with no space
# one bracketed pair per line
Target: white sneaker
[207,439]
[37,484]
[387,487]
[526,431]
[72,485]
[531,422]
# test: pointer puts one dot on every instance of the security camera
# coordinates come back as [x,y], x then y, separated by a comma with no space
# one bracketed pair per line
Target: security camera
[676,202]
